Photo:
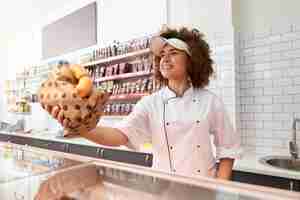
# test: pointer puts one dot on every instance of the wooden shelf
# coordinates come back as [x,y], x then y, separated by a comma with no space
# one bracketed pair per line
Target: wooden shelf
[123,76]
[118,58]
[127,96]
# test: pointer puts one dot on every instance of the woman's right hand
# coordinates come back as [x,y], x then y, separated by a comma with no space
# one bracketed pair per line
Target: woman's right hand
[58,114]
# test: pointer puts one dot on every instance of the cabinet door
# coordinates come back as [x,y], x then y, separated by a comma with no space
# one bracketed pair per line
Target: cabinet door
[265,180]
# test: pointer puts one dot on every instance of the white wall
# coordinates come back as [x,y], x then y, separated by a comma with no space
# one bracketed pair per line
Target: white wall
[208,16]
[261,14]
[270,88]
[124,20]
[269,60]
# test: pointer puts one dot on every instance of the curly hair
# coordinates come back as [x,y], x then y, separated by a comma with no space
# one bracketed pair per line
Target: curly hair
[200,67]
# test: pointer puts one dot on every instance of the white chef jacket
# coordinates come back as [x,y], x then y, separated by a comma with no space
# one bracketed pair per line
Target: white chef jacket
[179,129]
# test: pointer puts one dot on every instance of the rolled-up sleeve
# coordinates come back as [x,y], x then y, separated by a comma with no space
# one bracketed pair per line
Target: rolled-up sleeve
[136,125]
[226,139]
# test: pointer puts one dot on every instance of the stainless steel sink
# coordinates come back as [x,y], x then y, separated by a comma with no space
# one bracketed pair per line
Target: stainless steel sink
[282,162]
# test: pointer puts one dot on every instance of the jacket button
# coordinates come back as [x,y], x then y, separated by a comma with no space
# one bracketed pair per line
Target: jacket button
[167,123]
[198,146]
[199,170]
[198,121]
[171,147]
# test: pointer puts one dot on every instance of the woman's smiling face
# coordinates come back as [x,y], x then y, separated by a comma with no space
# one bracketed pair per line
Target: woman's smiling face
[173,63]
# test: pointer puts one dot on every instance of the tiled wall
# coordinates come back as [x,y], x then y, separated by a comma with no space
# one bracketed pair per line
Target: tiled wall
[269,79]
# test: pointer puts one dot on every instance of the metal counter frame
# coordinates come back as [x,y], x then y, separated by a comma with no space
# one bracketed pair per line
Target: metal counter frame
[143,159]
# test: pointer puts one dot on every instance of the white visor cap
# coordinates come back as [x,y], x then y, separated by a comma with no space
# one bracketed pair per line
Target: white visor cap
[158,43]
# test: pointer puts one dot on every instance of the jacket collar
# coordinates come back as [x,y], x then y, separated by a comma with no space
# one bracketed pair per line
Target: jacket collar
[169,94]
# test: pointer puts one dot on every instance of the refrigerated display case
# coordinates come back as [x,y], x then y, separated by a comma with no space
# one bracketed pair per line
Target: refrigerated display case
[23,170]
[28,173]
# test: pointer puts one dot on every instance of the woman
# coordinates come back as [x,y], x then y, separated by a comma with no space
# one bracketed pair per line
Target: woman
[179,118]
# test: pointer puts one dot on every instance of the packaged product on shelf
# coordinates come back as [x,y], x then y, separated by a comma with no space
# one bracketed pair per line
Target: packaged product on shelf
[119,108]
[101,71]
[126,88]
[114,108]
[140,66]
[124,68]
[127,109]
[118,88]
[129,89]
[114,91]
[123,91]
[144,85]
[150,86]
[115,69]
[147,63]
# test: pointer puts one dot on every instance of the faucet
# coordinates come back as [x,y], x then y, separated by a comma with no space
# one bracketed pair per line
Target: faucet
[293,144]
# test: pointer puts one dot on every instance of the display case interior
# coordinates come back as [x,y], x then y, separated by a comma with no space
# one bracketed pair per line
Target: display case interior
[23,170]
[31,174]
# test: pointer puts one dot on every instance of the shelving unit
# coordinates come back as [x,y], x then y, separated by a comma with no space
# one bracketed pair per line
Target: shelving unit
[119,58]
[127,76]
[124,76]
[26,83]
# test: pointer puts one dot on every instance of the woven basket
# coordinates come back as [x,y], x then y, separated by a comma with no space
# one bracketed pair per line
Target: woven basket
[83,113]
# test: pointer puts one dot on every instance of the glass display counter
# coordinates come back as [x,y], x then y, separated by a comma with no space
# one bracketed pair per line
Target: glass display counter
[23,170]
[28,174]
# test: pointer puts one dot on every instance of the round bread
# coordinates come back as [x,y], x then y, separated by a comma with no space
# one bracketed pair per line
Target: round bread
[70,88]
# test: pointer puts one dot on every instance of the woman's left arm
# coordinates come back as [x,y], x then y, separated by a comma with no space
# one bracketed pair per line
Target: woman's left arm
[225,168]
[226,139]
